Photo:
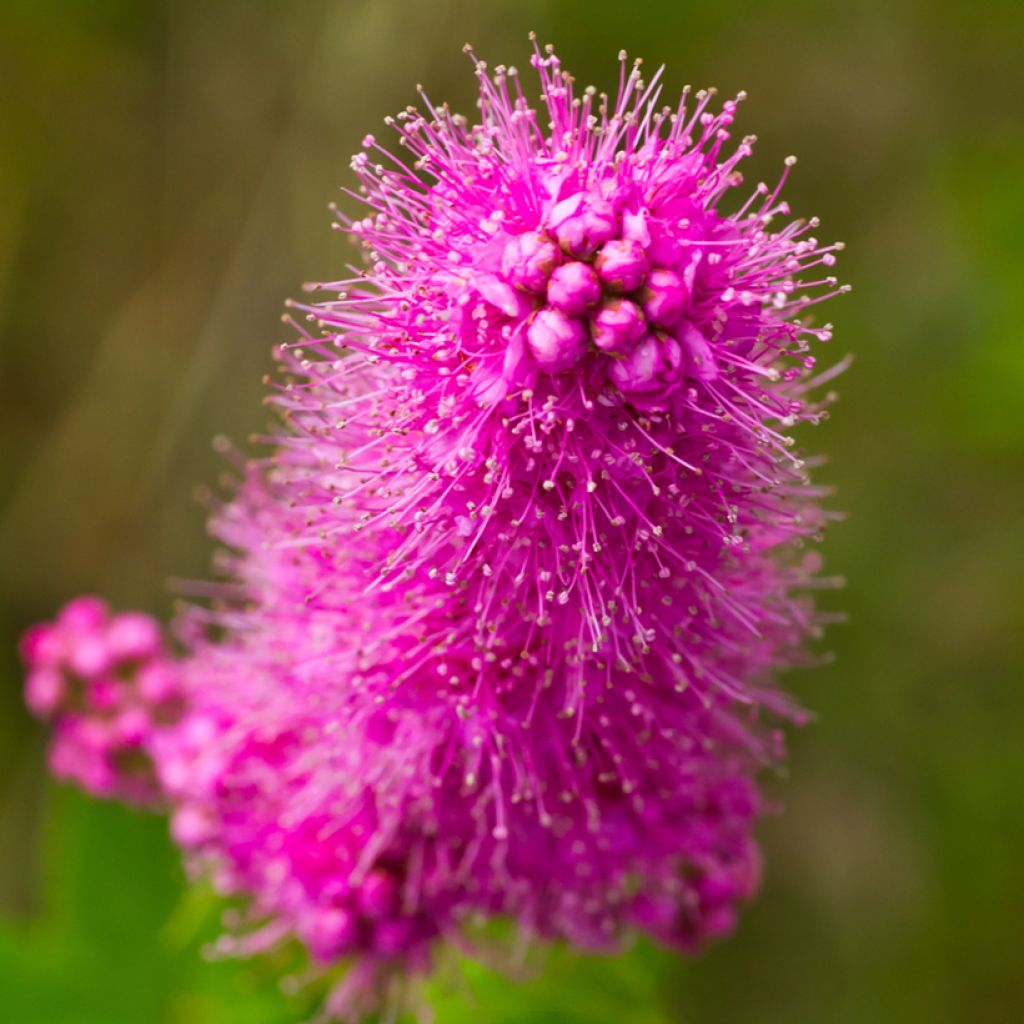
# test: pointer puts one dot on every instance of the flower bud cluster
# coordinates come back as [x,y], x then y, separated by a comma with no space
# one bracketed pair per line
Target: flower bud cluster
[600,289]
[107,685]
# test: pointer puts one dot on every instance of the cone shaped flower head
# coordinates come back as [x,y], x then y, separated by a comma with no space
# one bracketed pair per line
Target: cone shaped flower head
[507,596]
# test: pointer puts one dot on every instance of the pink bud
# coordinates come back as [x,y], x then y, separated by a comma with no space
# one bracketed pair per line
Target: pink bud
[80,754]
[157,682]
[377,894]
[574,288]
[665,297]
[672,358]
[657,914]
[528,260]
[664,249]
[82,615]
[190,826]
[331,933]
[132,726]
[40,645]
[583,223]
[618,325]
[622,265]
[43,690]
[716,890]
[557,342]
[93,734]
[133,636]
[88,655]
[640,370]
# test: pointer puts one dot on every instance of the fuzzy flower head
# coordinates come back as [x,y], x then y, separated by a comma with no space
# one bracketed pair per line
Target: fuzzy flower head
[507,596]
[533,538]
[574,365]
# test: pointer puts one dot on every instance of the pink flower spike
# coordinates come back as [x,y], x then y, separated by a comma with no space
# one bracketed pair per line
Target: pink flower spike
[502,604]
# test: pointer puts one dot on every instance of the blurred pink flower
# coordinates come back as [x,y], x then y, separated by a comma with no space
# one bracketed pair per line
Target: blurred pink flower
[91,674]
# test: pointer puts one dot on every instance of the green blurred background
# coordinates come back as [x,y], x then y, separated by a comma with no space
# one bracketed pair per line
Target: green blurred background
[165,167]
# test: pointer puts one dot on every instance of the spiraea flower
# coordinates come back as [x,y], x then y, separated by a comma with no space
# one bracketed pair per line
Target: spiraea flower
[507,596]
[107,684]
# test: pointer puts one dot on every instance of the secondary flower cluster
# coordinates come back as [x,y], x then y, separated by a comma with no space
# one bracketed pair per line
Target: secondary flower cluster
[106,683]
[506,597]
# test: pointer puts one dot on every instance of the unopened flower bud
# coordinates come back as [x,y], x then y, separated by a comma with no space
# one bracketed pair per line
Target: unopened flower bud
[82,614]
[622,265]
[583,223]
[331,933]
[41,645]
[556,341]
[157,682]
[665,297]
[133,636]
[640,370]
[574,288]
[190,826]
[132,726]
[618,325]
[528,260]
[44,689]
[104,695]
[84,673]
[89,655]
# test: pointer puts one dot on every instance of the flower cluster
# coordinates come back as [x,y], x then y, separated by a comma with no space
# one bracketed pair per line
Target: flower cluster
[507,595]
[593,279]
[106,683]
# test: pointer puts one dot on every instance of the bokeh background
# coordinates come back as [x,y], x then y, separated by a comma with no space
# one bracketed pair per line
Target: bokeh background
[165,167]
